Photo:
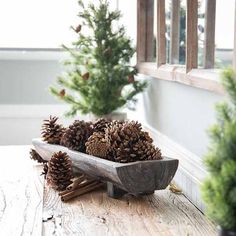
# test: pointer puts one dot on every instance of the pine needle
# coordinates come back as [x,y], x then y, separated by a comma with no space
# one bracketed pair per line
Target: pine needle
[174,189]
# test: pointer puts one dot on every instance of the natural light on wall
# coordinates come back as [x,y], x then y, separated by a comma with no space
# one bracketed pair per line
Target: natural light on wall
[46,23]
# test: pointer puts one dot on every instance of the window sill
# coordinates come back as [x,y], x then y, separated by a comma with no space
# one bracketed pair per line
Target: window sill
[207,79]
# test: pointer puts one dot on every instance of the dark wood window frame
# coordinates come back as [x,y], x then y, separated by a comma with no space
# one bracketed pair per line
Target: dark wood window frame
[206,77]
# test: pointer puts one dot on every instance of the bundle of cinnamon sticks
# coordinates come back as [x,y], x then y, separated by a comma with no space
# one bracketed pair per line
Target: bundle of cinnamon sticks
[79,186]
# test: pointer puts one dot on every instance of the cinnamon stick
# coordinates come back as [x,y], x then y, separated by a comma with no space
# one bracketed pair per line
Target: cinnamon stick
[64,192]
[81,191]
[75,183]
[85,183]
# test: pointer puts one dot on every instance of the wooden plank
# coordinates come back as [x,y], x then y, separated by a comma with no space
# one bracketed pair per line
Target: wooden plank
[175,32]
[192,37]
[162,213]
[21,193]
[161,31]
[141,30]
[149,30]
[209,41]
[234,57]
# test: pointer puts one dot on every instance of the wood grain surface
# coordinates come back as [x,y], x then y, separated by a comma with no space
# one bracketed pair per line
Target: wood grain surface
[175,32]
[28,207]
[192,36]
[163,213]
[149,30]
[141,30]
[21,193]
[209,36]
[161,32]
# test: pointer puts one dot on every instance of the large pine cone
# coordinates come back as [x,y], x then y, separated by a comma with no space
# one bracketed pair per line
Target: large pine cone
[100,125]
[51,131]
[97,145]
[140,151]
[76,135]
[125,138]
[146,151]
[123,133]
[59,172]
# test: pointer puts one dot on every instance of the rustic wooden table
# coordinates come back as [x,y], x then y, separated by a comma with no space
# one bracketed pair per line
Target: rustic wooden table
[29,207]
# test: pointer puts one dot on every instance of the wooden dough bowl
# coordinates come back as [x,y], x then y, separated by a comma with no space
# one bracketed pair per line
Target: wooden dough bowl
[136,178]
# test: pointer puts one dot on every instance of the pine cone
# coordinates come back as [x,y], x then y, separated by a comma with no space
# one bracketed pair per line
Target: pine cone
[129,143]
[100,125]
[45,170]
[123,133]
[140,151]
[124,154]
[97,145]
[76,135]
[51,131]
[59,171]
[36,157]
[145,150]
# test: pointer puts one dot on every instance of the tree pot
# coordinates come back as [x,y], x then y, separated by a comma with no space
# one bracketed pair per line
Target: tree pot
[223,232]
[111,116]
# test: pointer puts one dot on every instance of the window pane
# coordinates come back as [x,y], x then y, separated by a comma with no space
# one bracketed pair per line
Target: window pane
[168,28]
[40,23]
[182,37]
[129,20]
[34,23]
[129,17]
[224,32]
[155,31]
[201,28]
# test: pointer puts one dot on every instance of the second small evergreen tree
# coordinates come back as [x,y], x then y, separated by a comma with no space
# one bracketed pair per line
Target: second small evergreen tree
[219,190]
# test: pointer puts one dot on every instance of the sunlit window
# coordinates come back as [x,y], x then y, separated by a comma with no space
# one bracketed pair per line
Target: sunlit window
[46,23]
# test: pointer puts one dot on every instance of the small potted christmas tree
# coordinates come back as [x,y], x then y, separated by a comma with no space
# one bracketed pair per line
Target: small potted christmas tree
[99,79]
[219,189]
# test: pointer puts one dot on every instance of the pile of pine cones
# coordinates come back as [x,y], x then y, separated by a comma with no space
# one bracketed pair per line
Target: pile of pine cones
[119,141]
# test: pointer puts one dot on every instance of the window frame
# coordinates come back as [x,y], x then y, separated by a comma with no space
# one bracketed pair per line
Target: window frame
[189,74]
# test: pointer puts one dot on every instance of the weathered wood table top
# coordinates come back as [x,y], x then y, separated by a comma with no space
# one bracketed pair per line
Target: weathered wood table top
[29,207]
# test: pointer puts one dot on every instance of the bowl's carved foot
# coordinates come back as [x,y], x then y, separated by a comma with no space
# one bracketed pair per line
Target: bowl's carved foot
[114,192]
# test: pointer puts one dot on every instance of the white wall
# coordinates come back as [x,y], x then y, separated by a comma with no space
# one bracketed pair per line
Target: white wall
[181,112]
[20,123]
[25,100]
[27,81]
